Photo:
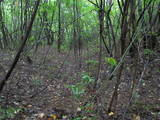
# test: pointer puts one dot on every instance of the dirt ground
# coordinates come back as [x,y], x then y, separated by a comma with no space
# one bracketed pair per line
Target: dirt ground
[38,85]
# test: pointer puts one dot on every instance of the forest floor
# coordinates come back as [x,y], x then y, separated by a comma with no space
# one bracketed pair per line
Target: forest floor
[39,86]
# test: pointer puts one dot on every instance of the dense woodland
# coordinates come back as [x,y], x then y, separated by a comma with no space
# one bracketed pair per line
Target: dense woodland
[79,59]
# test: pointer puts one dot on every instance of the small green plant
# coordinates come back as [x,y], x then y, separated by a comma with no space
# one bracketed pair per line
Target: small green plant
[35,81]
[111,61]
[78,118]
[148,52]
[79,88]
[86,79]
[88,108]
[92,62]
[9,112]
[2,98]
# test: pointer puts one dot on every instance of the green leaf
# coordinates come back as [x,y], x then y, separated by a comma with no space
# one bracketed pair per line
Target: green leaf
[87,79]
[148,52]
[77,89]
[111,61]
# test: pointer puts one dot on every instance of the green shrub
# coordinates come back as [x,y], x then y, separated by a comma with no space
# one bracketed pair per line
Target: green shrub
[9,112]
[79,88]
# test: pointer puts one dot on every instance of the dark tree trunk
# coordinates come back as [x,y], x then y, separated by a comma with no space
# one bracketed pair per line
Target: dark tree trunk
[59,25]
[24,38]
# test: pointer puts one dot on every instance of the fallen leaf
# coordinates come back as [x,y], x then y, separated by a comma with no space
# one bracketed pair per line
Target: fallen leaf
[41,115]
[64,116]
[54,116]
[111,113]
[49,118]
[79,109]
[29,106]
[136,117]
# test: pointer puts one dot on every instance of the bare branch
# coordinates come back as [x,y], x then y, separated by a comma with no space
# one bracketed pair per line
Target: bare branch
[95,4]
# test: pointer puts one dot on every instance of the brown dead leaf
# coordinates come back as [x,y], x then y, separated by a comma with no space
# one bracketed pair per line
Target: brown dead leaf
[29,106]
[136,117]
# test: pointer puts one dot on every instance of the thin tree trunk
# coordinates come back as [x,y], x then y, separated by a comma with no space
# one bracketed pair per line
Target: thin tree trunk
[3,27]
[59,26]
[101,32]
[24,38]
[123,38]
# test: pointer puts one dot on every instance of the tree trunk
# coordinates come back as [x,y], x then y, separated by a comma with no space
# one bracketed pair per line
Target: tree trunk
[24,38]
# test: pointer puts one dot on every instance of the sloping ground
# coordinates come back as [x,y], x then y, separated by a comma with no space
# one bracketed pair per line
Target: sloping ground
[39,87]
